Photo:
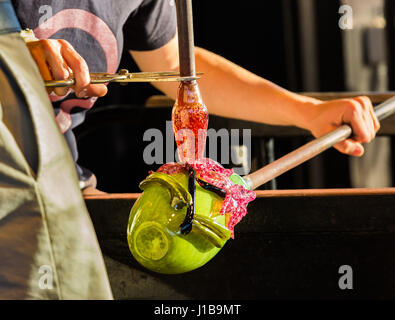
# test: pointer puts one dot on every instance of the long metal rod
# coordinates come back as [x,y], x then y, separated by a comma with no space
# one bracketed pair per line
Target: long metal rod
[71,82]
[124,76]
[186,46]
[310,150]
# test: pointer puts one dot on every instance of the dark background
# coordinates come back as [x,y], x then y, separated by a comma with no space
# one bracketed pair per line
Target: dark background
[261,36]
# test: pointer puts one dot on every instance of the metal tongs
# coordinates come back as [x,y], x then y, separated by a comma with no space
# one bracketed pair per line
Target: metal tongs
[123,76]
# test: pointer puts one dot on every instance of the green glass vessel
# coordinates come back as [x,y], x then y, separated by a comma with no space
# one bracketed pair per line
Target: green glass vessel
[153,231]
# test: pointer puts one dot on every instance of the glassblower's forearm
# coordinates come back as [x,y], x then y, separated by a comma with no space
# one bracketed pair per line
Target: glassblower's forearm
[231,91]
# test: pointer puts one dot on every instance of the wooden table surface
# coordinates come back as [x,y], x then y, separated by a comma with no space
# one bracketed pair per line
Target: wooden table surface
[290,245]
[94,195]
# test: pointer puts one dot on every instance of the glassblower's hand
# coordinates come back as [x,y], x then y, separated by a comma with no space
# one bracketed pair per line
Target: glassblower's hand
[58,60]
[357,112]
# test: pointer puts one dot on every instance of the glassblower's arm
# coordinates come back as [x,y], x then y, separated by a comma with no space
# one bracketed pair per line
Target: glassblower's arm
[229,90]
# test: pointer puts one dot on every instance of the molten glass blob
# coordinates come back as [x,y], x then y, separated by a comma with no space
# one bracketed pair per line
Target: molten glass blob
[154,234]
[190,120]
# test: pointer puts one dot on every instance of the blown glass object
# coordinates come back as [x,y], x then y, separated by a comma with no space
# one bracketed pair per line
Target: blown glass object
[187,210]
[154,235]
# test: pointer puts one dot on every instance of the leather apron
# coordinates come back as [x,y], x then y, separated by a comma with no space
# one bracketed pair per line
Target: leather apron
[48,247]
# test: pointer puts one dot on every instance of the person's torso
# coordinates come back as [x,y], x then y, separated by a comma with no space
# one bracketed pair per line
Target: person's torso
[93,27]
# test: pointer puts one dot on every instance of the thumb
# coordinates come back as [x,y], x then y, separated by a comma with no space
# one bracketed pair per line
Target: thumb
[93,90]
